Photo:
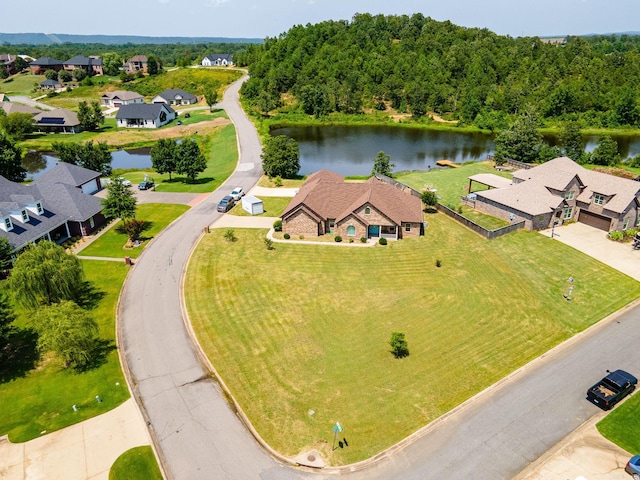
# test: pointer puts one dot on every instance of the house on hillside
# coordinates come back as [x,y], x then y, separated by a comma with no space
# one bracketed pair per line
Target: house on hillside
[9,62]
[42,64]
[91,65]
[145,115]
[118,98]
[327,204]
[50,84]
[137,63]
[49,209]
[175,96]
[4,98]
[561,190]
[217,60]
[59,120]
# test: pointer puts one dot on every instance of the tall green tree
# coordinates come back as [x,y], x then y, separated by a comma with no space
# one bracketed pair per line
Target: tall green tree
[522,141]
[606,153]
[382,164]
[120,201]
[11,160]
[64,76]
[6,256]
[153,67]
[96,157]
[79,74]
[17,125]
[7,317]
[164,156]
[281,157]
[211,95]
[51,75]
[626,108]
[571,141]
[45,273]
[191,160]
[90,116]
[67,330]
[111,63]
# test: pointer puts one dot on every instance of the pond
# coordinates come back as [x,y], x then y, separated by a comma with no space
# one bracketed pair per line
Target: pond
[36,163]
[350,150]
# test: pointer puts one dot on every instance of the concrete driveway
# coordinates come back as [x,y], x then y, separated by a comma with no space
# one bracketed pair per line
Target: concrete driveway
[595,243]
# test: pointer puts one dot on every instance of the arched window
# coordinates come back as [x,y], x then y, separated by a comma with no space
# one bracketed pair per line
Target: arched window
[351,231]
[367,210]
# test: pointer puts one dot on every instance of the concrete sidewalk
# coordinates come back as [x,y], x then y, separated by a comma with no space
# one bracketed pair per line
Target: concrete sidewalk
[82,451]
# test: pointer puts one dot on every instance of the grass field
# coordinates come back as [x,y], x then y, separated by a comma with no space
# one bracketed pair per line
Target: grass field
[41,399]
[136,464]
[111,243]
[273,207]
[304,327]
[21,85]
[622,426]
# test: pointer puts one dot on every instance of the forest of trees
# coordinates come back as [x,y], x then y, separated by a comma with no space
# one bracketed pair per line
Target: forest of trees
[416,64]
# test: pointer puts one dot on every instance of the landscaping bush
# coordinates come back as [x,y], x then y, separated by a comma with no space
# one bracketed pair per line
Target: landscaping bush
[277,181]
[431,210]
[630,233]
[363,239]
[268,243]
[382,241]
[287,236]
[616,236]
[301,237]
[438,263]
[351,240]
[338,238]
[230,235]
[277,226]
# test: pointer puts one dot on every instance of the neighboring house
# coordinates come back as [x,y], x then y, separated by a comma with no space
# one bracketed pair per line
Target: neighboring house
[52,211]
[92,65]
[82,178]
[145,115]
[10,107]
[42,64]
[561,190]
[327,204]
[50,84]
[137,63]
[4,98]
[59,120]
[175,96]
[121,97]
[9,62]
[217,60]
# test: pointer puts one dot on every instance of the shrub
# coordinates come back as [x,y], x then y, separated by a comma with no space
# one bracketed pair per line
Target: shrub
[616,236]
[630,232]
[431,210]
[338,238]
[268,243]
[438,263]
[277,181]
[399,346]
[277,226]
[382,241]
[133,228]
[230,235]
[351,240]
[459,209]
[301,237]
[287,236]
[363,239]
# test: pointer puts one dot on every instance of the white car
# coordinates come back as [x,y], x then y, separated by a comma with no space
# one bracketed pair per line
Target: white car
[125,182]
[237,193]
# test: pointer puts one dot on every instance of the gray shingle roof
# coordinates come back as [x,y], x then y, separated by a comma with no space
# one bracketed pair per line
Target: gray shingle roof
[83,61]
[68,174]
[69,201]
[173,93]
[44,61]
[122,95]
[147,111]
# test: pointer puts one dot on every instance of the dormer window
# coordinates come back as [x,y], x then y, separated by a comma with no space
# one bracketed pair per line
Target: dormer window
[25,217]
[598,199]
[8,225]
[39,208]
[569,195]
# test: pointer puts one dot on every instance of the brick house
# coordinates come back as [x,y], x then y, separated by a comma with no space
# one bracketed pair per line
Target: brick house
[327,204]
[561,190]
[91,65]
[137,63]
[42,64]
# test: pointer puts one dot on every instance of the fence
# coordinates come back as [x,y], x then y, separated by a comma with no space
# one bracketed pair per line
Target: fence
[513,163]
[398,185]
[488,234]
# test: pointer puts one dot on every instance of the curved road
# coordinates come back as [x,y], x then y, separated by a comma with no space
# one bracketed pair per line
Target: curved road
[198,436]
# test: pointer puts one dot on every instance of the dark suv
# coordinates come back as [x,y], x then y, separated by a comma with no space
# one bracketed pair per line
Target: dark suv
[226,204]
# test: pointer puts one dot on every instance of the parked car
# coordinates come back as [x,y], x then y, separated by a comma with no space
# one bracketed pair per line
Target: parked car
[633,467]
[226,204]
[125,182]
[237,193]
[145,185]
[611,389]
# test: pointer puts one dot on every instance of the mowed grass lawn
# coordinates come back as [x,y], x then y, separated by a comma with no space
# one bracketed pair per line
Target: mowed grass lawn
[622,426]
[42,400]
[112,243]
[273,207]
[306,327]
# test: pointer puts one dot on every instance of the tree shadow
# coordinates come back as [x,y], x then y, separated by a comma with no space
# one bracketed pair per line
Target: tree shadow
[98,356]
[89,296]
[19,355]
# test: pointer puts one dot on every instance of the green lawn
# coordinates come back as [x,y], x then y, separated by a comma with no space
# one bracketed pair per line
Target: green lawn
[112,242]
[273,207]
[22,84]
[41,399]
[622,426]
[306,327]
[136,464]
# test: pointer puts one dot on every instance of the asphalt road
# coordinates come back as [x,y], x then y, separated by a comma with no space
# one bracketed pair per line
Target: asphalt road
[199,437]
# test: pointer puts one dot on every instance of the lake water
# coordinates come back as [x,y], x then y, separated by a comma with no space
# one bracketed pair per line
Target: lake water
[350,150]
[37,163]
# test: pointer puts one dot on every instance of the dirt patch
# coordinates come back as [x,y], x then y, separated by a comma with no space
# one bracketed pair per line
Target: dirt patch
[126,137]
[398,117]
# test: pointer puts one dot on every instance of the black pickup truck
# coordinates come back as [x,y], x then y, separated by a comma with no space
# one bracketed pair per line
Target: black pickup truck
[611,389]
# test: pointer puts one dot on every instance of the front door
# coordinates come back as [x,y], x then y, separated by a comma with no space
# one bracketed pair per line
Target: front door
[374,231]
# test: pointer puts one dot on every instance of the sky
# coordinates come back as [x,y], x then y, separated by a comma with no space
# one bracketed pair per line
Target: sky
[270,18]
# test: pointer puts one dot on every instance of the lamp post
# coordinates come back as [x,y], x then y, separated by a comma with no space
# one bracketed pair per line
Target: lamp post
[553,226]
[570,291]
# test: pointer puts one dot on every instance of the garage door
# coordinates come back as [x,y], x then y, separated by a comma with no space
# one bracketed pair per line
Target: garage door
[594,220]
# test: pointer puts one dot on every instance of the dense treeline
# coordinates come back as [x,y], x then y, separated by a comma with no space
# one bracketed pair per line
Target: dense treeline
[168,54]
[416,64]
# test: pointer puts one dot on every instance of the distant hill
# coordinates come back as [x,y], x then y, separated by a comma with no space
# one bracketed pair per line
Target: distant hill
[60,38]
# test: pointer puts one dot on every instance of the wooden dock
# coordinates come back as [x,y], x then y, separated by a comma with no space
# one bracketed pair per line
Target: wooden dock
[447,163]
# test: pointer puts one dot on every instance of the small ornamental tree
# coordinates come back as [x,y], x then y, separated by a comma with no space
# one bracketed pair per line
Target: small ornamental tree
[133,228]
[211,95]
[399,346]
[64,76]
[51,75]
[429,198]
[190,159]
[120,201]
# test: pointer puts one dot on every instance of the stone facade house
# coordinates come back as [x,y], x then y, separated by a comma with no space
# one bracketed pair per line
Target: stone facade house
[137,63]
[561,190]
[326,204]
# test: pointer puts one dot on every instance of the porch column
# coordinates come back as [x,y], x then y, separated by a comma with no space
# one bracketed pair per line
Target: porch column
[66,226]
